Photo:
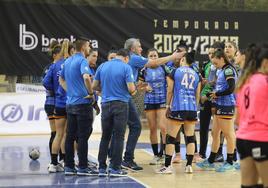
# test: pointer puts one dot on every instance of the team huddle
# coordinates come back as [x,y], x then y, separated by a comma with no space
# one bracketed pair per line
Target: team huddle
[231,87]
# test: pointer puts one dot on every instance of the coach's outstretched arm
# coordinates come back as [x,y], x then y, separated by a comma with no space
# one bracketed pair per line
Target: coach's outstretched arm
[152,63]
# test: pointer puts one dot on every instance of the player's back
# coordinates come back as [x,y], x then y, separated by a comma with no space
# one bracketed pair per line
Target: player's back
[184,93]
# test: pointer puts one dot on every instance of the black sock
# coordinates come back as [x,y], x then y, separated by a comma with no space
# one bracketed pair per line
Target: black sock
[54,159]
[155,149]
[189,159]
[220,149]
[230,158]
[52,136]
[61,155]
[195,146]
[162,150]
[235,155]
[177,147]
[168,160]
[212,157]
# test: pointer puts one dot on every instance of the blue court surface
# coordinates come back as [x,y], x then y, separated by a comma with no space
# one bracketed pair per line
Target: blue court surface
[18,170]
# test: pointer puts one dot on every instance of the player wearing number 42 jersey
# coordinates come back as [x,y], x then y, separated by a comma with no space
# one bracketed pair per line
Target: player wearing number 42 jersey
[183,90]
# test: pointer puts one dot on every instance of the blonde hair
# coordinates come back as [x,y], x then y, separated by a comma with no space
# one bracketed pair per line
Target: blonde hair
[65,49]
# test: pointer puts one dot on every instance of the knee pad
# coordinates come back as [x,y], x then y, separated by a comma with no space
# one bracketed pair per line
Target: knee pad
[190,139]
[170,139]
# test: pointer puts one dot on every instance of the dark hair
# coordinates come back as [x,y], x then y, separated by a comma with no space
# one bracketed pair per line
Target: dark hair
[219,53]
[80,42]
[151,50]
[123,52]
[111,51]
[182,44]
[218,45]
[190,57]
[55,50]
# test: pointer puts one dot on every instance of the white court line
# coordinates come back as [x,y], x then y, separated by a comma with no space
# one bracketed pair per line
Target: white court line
[131,177]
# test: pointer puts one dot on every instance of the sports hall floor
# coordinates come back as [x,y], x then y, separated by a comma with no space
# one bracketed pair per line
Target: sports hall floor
[17,170]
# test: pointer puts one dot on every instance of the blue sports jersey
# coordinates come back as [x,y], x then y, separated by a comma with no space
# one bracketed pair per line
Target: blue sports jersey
[156,78]
[224,74]
[186,81]
[113,77]
[50,96]
[72,72]
[136,62]
[51,82]
[92,75]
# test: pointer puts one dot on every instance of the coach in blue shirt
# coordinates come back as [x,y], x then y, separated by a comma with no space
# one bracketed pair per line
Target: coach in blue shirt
[75,79]
[137,62]
[115,80]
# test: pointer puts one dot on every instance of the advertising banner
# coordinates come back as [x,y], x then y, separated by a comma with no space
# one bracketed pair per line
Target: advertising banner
[28,28]
[25,114]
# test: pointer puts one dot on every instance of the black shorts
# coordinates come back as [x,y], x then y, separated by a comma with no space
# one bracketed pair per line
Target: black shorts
[257,150]
[225,112]
[154,106]
[183,115]
[49,109]
[60,113]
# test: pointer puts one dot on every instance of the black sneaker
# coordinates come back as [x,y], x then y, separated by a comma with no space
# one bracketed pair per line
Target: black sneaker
[131,165]
[219,158]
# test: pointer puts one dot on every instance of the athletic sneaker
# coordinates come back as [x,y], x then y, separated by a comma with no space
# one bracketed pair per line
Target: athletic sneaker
[197,158]
[164,170]
[131,165]
[61,162]
[155,160]
[177,159]
[102,172]
[205,165]
[219,158]
[189,169]
[69,171]
[87,172]
[92,164]
[225,167]
[161,160]
[116,173]
[55,168]
[236,165]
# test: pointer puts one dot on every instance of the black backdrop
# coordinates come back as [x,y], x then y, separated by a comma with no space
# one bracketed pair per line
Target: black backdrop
[26,29]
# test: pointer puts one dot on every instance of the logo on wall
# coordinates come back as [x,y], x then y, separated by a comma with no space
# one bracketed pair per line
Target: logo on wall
[28,39]
[11,113]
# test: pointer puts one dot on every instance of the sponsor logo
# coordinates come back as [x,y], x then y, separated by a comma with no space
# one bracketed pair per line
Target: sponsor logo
[12,113]
[28,40]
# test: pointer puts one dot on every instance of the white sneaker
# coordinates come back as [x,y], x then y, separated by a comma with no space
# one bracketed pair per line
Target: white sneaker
[55,168]
[164,170]
[189,169]
[155,160]
[61,162]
